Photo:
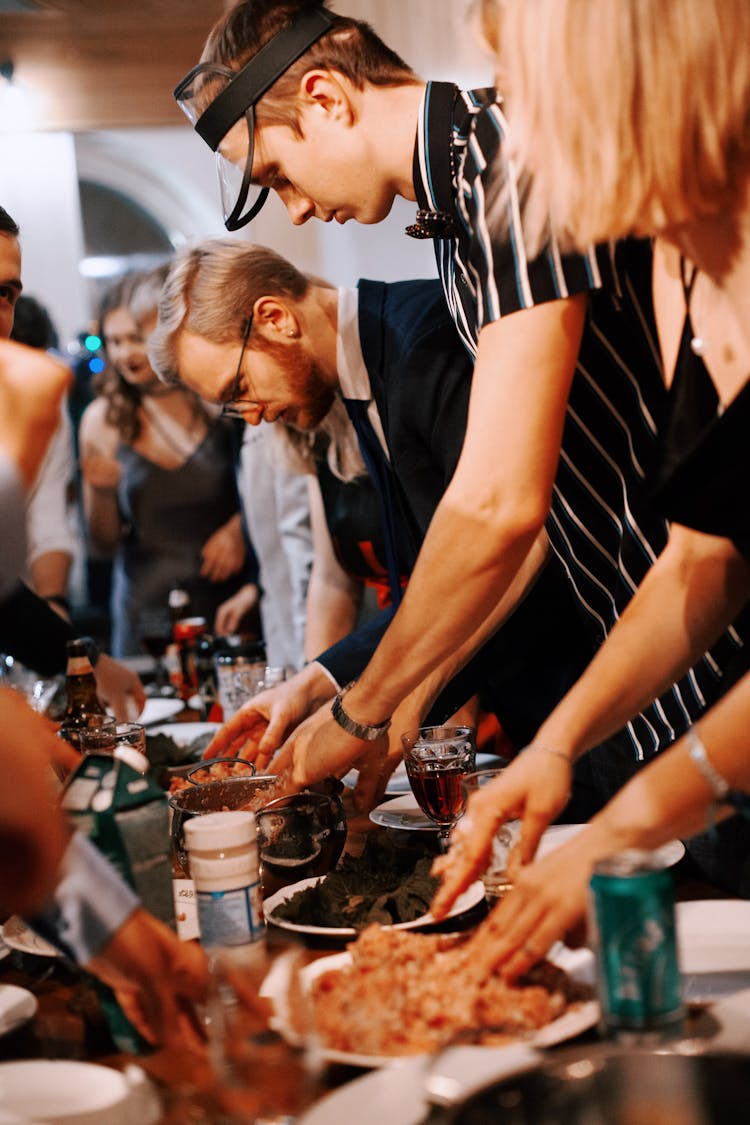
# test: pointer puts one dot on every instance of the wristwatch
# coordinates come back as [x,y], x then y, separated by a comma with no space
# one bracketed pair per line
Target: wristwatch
[368,732]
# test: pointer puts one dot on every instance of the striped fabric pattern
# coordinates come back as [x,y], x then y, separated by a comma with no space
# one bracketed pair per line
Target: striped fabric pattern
[602,524]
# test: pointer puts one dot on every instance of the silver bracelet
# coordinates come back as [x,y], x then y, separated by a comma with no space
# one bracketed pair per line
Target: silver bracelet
[551,750]
[719,785]
[368,732]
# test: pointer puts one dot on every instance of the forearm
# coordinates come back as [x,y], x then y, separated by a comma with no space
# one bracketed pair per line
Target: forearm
[466,565]
[103,517]
[50,573]
[331,614]
[671,798]
[693,591]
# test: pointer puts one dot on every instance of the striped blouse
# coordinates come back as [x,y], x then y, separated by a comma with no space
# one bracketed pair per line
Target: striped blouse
[602,523]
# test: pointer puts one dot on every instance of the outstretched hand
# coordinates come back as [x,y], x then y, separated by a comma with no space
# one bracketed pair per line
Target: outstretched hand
[157,978]
[533,789]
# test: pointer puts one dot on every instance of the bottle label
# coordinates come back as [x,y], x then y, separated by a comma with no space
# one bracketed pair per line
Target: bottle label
[79,666]
[231,917]
[185,909]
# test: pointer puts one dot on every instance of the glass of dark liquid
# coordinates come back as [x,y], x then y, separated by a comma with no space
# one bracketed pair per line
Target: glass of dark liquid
[155,638]
[437,760]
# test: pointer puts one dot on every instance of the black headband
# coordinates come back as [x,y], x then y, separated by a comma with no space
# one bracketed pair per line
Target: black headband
[259,74]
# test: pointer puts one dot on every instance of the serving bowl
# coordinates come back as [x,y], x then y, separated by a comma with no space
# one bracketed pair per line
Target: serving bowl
[299,836]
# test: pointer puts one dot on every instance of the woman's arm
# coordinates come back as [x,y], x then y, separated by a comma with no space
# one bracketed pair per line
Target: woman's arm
[101,475]
[669,798]
[333,598]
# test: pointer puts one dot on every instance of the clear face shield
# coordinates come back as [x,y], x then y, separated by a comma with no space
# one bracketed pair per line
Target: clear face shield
[240,200]
[219,102]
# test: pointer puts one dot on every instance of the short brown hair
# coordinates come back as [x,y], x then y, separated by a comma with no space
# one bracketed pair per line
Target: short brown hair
[351,47]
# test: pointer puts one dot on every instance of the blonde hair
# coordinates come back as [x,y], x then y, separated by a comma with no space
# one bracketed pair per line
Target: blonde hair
[629,115]
[351,47]
[210,290]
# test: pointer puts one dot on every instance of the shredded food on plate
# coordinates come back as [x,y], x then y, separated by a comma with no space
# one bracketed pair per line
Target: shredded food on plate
[406,993]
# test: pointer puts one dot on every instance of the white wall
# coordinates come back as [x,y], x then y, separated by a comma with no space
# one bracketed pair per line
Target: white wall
[171,173]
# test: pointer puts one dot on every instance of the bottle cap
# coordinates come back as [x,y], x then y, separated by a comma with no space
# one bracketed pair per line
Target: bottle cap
[220,830]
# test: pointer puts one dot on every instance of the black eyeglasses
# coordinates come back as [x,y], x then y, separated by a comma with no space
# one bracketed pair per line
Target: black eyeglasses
[232,408]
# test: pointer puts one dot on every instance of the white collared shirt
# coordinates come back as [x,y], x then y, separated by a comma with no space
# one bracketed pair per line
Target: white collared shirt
[354,379]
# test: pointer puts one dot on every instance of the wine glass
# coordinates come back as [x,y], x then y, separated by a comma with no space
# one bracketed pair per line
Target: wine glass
[155,638]
[437,759]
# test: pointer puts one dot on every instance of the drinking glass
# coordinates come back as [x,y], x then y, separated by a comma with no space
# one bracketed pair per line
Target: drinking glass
[437,759]
[131,734]
[155,638]
[99,736]
[495,877]
[260,1039]
[238,678]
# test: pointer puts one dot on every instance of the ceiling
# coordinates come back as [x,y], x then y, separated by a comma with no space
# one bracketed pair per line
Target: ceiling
[98,64]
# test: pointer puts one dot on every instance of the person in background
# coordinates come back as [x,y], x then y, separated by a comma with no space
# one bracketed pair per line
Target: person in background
[277,515]
[51,543]
[242,326]
[60,882]
[158,479]
[654,159]
[29,628]
[566,377]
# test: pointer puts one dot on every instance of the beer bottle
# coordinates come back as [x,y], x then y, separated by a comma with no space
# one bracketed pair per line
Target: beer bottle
[80,688]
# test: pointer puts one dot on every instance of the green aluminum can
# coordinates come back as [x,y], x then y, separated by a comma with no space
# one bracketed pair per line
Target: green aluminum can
[633,920]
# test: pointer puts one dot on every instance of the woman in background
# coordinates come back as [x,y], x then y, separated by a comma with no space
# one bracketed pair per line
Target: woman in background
[159,485]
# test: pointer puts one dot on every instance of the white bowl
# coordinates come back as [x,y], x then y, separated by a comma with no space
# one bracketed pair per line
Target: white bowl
[59,1092]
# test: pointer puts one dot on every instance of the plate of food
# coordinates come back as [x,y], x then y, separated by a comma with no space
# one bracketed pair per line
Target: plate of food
[177,746]
[389,883]
[312,903]
[21,937]
[397,994]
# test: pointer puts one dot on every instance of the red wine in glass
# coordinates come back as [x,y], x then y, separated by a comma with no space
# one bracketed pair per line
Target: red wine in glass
[438,790]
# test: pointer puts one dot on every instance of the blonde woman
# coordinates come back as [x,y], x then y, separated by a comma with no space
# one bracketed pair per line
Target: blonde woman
[159,487]
[662,148]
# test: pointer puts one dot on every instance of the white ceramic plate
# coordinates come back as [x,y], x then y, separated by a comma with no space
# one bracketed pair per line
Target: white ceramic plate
[471,896]
[184,733]
[713,938]
[559,834]
[395,1095]
[59,1092]
[159,710]
[579,963]
[402,812]
[19,936]
[17,1006]
[398,782]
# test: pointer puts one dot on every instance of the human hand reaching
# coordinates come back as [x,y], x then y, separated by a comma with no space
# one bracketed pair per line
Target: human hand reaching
[534,789]
[223,553]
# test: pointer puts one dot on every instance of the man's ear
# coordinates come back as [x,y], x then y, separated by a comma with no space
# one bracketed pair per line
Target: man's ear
[328,92]
[274,318]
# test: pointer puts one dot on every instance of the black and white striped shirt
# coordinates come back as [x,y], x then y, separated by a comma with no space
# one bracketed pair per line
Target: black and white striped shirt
[602,523]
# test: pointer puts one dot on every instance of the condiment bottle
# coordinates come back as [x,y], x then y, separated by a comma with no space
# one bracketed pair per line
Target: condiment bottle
[80,687]
[223,853]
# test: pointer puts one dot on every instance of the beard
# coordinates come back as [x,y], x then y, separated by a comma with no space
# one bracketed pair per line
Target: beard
[309,393]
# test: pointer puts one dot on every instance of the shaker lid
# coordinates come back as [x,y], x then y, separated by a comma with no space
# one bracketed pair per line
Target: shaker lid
[220,830]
